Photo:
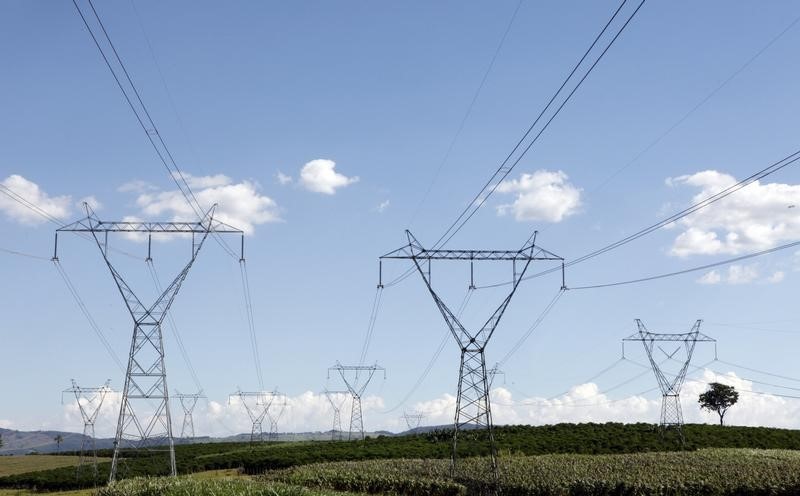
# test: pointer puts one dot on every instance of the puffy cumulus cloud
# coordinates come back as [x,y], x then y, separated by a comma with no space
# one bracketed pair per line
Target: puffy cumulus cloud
[757,217]
[735,274]
[320,176]
[711,277]
[238,204]
[23,190]
[542,196]
[106,423]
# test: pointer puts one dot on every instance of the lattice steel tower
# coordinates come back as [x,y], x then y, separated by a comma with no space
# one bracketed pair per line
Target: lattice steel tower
[275,410]
[144,417]
[671,412]
[188,402]
[473,408]
[356,388]
[256,404]
[90,401]
[413,419]
[336,400]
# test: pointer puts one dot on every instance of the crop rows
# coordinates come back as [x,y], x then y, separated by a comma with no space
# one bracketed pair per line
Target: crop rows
[705,472]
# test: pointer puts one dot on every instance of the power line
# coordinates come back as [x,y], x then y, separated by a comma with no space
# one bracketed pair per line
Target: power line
[761,174]
[21,254]
[693,269]
[504,169]
[699,104]
[248,300]
[468,112]
[532,328]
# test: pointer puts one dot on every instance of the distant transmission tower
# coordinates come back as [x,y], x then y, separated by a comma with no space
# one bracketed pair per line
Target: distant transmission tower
[336,399]
[494,372]
[89,400]
[275,410]
[256,404]
[144,416]
[356,388]
[473,407]
[671,412]
[188,402]
[413,419]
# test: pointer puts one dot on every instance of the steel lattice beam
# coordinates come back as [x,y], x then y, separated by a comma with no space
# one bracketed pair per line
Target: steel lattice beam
[336,431]
[188,403]
[473,408]
[90,401]
[144,419]
[356,389]
[669,384]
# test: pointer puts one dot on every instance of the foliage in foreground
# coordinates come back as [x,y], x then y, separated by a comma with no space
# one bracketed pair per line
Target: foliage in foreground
[738,472]
[512,440]
[183,486]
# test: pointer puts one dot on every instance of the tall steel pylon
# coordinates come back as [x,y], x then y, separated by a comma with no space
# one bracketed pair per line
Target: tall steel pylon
[671,412]
[188,402]
[473,408]
[90,401]
[356,388]
[336,400]
[275,410]
[144,417]
[256,404]
[494,372]
[413,419]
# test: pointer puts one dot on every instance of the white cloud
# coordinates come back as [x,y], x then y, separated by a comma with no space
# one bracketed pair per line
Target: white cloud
[382,206]
[736,274]
[283,179]
[203,182]
[756,217]
[711,277]
[239,204]
[776,277]
[136,186]
[56,206]
[320,176]
[93,203]
[742,274]
[541,196]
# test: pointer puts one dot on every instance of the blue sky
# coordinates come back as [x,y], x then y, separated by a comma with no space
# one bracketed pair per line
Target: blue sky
[366,98]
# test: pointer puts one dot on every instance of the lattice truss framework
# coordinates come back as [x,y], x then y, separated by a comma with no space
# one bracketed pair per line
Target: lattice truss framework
[188,403]
[256,404]
[413,419]
[473,408]
[336,399]
[359,378]
[144,419]
[277,407]
[670,384]
[90,401]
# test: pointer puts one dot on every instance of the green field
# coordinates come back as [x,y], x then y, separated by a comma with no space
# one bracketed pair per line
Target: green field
[519,448]
[11,465]
[708,471]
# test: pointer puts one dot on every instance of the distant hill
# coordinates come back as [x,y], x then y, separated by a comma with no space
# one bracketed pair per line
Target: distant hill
[24,442]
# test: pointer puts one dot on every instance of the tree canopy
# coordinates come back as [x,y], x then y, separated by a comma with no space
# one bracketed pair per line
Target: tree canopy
[719,398]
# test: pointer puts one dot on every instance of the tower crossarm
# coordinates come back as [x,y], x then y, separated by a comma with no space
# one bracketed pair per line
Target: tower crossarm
[354,386]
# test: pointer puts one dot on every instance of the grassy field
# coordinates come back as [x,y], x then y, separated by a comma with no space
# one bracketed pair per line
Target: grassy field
[721,472]
[11,465]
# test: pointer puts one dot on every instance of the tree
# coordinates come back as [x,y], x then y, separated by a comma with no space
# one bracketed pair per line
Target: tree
[59,439]
[718,398]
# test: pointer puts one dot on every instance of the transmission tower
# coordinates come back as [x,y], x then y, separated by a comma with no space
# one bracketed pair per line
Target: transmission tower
[336,399]
[89,400]
[188,402]
[356,385]
[144,416]
[494,372]
[256,404]
[671,412]
[413,419]
[277,402]
[473,409]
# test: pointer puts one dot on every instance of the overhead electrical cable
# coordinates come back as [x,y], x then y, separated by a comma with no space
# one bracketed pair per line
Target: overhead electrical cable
[21,254]
[710,200]
[532,328]
[467,113]
[509,163]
